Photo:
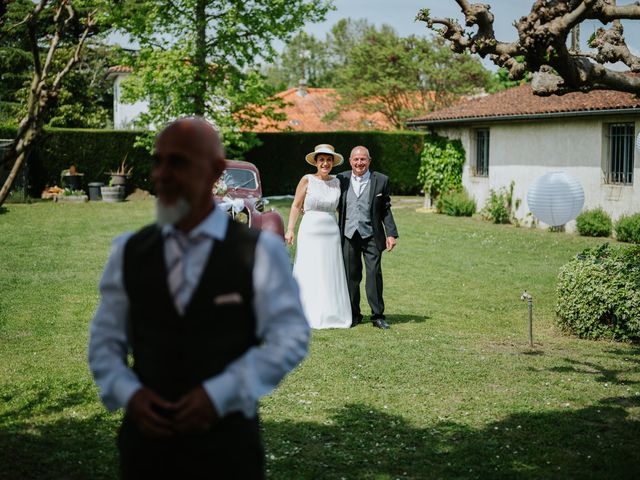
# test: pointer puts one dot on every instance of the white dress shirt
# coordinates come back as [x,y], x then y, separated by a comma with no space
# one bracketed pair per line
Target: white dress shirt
[281,326]
[359,183]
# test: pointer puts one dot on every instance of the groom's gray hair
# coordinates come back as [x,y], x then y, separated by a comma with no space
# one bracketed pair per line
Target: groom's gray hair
[360,147]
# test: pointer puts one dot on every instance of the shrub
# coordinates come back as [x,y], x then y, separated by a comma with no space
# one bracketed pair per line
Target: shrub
[456,204]
[628,228]
[441,165]
[500,206]
[599,293]
[594,223]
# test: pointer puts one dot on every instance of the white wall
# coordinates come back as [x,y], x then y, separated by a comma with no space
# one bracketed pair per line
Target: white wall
[124,114]
[523,151]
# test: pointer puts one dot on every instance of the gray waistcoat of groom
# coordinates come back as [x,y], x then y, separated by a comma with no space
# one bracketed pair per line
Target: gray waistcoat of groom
[358,216]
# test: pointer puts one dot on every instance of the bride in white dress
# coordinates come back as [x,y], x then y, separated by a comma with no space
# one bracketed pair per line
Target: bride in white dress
[319,267]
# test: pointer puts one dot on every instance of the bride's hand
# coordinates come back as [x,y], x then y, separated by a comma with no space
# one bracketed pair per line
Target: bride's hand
[289,236]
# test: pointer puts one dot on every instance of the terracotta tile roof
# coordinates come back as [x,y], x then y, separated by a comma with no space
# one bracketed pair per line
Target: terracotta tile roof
[520,102]
[305,114]
[119,69]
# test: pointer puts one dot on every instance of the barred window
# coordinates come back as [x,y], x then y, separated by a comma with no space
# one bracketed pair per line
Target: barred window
[482,152]
[619,167]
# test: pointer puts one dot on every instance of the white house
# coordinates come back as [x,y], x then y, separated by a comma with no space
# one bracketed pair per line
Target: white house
[124,114]
[514,135]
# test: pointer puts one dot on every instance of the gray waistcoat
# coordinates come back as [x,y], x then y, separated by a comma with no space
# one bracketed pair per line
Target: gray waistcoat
[358,217]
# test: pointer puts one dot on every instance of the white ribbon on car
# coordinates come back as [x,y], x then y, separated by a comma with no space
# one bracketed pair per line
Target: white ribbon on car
[235,204]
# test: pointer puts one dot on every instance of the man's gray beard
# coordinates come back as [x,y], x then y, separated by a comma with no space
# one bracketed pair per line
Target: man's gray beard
[171,214]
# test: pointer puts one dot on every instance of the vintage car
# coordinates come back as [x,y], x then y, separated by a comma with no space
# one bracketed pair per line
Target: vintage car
[239,192]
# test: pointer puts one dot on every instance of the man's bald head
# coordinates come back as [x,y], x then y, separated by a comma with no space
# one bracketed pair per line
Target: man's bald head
[194,135]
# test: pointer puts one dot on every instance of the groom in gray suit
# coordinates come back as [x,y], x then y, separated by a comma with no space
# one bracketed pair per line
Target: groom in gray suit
[367,229]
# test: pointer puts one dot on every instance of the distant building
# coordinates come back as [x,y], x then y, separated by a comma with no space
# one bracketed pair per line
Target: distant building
[124,114]
[515,135]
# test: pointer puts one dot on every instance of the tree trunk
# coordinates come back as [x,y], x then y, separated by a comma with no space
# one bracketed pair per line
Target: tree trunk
[200,59]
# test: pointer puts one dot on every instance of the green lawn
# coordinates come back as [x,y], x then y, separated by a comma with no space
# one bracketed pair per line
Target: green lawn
[451,391]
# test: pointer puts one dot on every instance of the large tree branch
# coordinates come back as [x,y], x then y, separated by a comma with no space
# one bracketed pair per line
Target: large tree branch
[541,45]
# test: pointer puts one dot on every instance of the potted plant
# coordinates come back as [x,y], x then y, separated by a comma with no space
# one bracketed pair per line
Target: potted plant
[71,179]
[112,193]
[72,196]
[121,175]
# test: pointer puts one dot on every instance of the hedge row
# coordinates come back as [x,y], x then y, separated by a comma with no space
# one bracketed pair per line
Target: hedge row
[280,158]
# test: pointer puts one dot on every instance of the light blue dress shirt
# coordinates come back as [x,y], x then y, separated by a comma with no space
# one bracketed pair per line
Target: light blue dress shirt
[281,326]
[359,183]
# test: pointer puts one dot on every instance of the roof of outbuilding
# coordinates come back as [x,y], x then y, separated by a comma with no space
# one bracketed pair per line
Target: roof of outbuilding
[520,102]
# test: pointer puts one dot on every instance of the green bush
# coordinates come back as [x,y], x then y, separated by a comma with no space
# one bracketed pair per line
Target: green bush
[628,228]
[500,206]
[456,204]
[441,166]
[599,293]
[594,223]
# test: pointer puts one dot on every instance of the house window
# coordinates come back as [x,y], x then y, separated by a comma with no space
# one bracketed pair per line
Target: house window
[482,153]
[619,167]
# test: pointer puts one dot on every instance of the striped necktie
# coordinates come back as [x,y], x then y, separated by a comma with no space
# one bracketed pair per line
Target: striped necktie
[176,268]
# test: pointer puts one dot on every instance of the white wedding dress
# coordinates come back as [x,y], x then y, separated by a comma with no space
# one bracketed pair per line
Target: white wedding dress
[319,268]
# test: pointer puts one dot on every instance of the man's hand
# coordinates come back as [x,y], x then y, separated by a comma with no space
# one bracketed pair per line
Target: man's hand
[144,407]
[391,243]
[195,412]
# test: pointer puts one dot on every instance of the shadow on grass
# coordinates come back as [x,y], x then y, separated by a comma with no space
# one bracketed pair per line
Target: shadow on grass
[599,373]
[395,319]
[44,435]
[3,210]
[594,442]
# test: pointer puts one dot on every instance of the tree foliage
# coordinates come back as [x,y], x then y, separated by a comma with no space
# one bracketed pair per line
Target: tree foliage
[542,48]
[406,77]
[65,26]
[197,57]
[85,97]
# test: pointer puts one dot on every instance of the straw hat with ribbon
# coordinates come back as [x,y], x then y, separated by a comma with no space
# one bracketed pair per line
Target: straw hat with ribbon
[324,148]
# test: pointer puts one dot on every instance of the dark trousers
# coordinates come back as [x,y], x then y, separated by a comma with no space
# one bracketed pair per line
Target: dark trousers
[354,250]
[232,449]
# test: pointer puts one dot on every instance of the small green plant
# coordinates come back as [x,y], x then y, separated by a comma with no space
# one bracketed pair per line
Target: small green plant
[456,204]
[72,193]
[628,228]
[594,223]
[599,293]
[501,206]
[123,168]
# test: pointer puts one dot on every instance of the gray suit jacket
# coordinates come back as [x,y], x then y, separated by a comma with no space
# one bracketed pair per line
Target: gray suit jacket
[379,206]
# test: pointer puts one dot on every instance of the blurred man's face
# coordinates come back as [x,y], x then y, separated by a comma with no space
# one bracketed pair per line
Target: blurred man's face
[184,171]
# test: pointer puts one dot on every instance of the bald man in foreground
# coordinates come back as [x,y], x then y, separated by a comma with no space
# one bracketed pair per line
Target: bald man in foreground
[211,315]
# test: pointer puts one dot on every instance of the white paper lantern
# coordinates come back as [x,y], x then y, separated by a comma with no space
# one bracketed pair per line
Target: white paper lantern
[555,198]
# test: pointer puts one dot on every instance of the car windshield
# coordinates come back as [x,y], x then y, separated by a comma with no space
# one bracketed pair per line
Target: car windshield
[240,178]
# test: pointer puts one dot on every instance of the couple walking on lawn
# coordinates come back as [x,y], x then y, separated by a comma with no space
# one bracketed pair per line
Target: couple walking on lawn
[329,254]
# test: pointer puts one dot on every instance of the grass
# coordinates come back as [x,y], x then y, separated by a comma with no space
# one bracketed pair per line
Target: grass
[451,391]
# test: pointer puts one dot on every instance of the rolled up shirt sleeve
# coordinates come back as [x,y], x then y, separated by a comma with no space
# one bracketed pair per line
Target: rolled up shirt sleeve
[281,328]
[108,343]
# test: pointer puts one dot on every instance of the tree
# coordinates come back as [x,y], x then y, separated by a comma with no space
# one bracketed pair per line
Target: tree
[197,56]
[542,48]
[304,57]
[68,28]
[404,77]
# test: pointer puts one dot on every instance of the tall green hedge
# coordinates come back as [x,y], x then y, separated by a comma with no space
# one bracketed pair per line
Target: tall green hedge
[280,158]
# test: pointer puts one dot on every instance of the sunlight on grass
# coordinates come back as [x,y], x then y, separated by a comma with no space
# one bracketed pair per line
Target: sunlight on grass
[452,390]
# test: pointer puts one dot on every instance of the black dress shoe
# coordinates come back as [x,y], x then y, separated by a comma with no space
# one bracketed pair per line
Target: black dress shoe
[355,322]
[379,323]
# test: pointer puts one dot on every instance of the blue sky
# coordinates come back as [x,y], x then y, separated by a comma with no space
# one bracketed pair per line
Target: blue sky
[400,14]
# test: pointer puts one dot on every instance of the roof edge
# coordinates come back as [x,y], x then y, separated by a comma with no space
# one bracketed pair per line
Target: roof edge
[530,116]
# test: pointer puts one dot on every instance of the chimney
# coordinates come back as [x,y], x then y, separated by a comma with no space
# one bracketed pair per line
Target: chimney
[302,88]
